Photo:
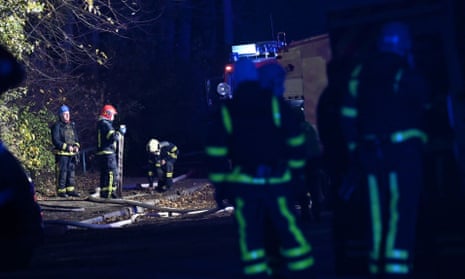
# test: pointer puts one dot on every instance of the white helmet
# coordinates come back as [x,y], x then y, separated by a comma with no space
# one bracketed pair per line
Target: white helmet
[153,146]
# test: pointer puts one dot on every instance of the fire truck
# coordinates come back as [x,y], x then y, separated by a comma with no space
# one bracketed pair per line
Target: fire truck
[304,61]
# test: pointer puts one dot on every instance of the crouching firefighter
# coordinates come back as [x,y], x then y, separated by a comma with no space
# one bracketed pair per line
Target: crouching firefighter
[107,138]
[66,143]
[252,153]
[161,159]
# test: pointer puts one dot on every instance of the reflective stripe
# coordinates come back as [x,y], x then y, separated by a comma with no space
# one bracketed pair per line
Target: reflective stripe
[110,133]
[351,146]
[353,83]
[296,141]
[349,112]
[227,122]
[397,79]
[276,112]
[216,151]
[401,136]
[392,253]
[246,255]
[216,177]
[375,217]
[237,177]
[296,164]
[397,268]
[302,264]
[256,268]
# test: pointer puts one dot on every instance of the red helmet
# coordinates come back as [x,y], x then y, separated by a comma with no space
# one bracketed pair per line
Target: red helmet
[108,111]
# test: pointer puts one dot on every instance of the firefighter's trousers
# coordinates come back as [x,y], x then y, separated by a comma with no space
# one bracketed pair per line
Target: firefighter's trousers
[391,177]
[108,175]
[65,171]
[270,209]
[165,174]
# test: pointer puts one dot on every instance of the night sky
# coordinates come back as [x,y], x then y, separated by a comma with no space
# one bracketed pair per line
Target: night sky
[261,19]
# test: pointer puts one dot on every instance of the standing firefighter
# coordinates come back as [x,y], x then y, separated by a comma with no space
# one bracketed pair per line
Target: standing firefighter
[107,138]
[253,153]
[161,159]
[382,123]
[66,143]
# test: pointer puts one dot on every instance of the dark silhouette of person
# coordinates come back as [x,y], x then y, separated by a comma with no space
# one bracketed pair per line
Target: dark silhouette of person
[253,153]
[22,232]
[382,121]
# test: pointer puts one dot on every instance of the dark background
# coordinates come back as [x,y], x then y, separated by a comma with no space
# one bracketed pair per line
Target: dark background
[157,79]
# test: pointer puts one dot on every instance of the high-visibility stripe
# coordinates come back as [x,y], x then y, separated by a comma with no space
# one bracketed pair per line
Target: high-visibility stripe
[256,268]
[392,253]
[216,151]
[397,79]
[216,177]
[276,112]
[237,177]
[296,164]
[349,112]
[397,268]
[296,141]
[401,136]
[375,216]
[227,122]
[354,82]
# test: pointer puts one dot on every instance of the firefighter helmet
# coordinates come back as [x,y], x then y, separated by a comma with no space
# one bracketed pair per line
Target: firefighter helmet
[395,37]
[153,146]
[108,112]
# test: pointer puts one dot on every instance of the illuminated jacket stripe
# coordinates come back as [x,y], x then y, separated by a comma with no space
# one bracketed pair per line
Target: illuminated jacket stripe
[227,122]
[216,151]
[276,111]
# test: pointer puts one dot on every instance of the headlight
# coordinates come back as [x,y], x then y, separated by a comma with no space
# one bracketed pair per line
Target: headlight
[223,89]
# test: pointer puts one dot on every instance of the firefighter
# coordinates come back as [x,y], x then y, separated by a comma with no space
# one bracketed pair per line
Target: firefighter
[308,187]
[107,138]
[253,154]
[66,143]
[22,231]
[383,114]
[161,159]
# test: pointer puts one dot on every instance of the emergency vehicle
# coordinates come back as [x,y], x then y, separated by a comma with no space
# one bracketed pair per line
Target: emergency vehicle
[304,61]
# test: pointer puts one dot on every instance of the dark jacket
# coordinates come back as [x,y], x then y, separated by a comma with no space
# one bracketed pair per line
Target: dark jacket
[257,129]
[168,152]
[106,137]
[63,136]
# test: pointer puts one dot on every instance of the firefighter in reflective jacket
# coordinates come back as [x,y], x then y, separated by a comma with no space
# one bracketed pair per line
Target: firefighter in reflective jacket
[161,159]
[107,138]
[252,154]
[383,126]
[66,143]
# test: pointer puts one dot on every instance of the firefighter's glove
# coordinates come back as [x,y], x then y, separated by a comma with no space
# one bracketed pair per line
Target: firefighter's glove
[75,148]
[122,129]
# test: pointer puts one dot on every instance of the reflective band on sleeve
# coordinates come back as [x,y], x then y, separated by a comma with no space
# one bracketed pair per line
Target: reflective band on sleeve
[226,119]
[276,111]
[296,164]
[353,83]
[216,177]
[296,141]
[401,136]
[215,151]
[349,112]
